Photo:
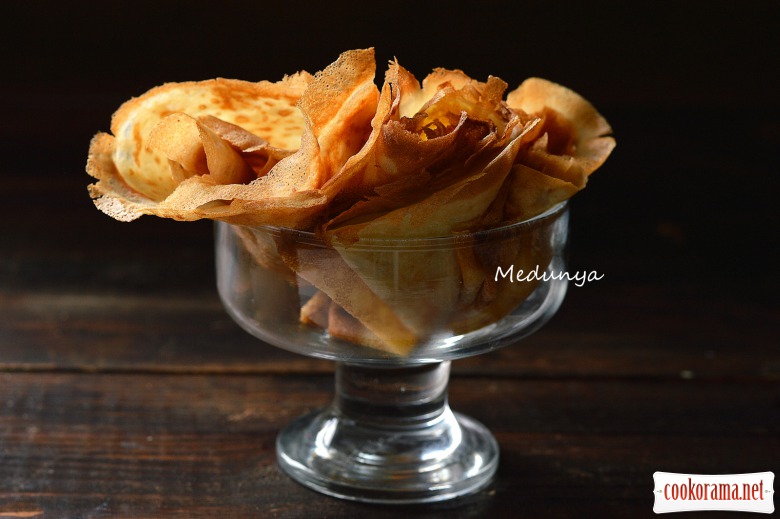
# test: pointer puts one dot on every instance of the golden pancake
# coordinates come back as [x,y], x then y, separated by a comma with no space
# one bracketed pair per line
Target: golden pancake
[333,154]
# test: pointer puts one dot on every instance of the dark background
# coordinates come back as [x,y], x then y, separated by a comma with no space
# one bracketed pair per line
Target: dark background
[690,88]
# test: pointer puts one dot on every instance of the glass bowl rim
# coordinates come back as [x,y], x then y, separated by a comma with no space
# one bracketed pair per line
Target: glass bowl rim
[309,237]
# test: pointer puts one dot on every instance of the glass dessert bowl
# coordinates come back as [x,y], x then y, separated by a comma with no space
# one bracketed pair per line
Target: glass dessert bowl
[392,313]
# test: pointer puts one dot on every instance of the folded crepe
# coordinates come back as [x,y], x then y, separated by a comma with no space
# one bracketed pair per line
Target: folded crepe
[332,154]
[179,160]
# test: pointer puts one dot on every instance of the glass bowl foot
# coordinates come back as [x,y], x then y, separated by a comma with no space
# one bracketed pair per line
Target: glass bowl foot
[406,448]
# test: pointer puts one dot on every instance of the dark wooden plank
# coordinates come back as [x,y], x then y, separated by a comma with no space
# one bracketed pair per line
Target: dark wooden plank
[135,445]
[601,331]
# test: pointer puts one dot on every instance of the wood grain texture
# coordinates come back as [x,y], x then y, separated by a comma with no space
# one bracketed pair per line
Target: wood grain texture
[140,445]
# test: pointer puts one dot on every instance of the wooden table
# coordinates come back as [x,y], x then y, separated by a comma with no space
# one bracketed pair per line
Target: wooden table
[126,390]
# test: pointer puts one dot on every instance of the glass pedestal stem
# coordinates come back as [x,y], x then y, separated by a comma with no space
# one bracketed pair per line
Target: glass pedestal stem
[389,436]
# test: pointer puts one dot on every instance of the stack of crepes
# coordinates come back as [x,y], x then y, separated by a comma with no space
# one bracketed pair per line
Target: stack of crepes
[333,154]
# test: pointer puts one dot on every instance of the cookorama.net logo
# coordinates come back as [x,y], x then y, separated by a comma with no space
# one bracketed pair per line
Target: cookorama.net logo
[727,492]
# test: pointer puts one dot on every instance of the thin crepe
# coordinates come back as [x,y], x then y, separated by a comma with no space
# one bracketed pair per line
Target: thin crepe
[333,154]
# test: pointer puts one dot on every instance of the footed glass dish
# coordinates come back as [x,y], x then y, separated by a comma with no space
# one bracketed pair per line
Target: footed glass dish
[392,314]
